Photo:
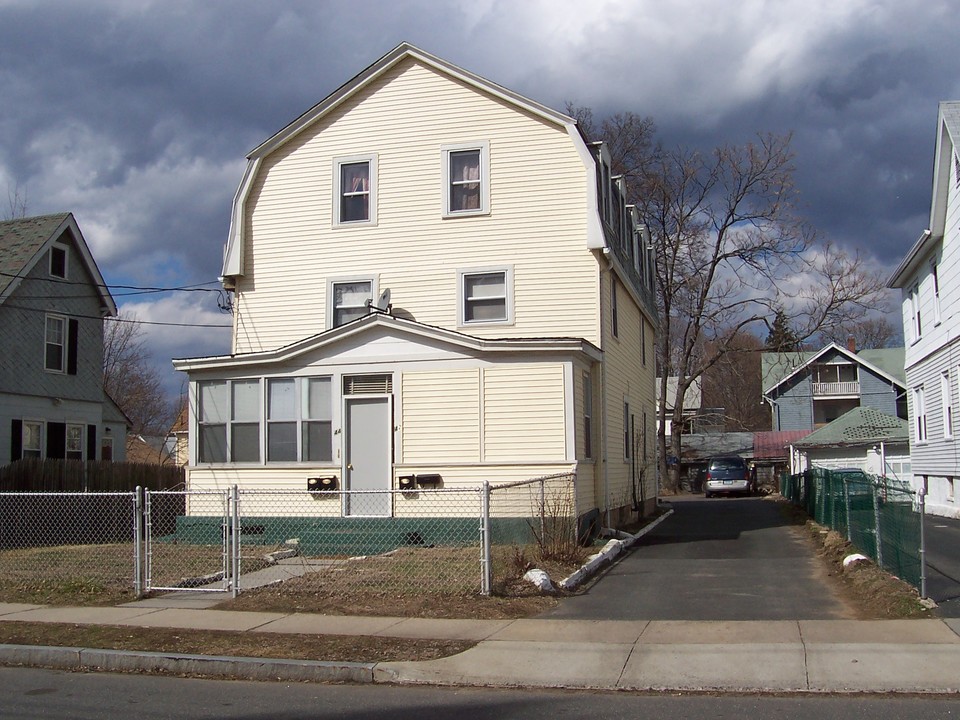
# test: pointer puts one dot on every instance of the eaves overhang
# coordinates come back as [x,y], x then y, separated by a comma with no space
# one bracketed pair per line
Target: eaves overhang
[564,346]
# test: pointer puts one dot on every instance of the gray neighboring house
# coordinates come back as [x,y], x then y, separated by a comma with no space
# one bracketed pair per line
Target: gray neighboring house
[808,390]
[52,304]
[862,438]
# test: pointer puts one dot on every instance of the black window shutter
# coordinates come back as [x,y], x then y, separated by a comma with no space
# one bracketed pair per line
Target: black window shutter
[72,347]
[56,440]
[16,440]
[91,442]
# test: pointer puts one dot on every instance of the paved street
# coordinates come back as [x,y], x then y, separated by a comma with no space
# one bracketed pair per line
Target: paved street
[717,559]
[29,694]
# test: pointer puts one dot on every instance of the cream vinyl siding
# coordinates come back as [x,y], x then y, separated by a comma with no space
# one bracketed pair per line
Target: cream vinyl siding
[537,221]
[441,416]
[626,378]
[523,413]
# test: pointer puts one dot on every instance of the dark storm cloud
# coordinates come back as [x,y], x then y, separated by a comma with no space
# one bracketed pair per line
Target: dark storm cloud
[137,115]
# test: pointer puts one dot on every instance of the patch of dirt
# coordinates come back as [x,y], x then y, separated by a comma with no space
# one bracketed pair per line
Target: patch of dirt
[343,648]
[870,591]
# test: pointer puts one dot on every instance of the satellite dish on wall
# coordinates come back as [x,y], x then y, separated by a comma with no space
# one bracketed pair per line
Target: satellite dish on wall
[383,302]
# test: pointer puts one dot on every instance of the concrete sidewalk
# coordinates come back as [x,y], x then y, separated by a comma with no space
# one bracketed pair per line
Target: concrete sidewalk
[783,656]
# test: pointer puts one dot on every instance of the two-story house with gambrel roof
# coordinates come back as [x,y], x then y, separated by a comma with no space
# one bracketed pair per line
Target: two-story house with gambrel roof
[808,390]
[432,276]
[52,303]
[929,280]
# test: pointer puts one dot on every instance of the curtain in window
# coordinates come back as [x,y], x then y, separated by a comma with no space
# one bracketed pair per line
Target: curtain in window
[355,192]
[465,180]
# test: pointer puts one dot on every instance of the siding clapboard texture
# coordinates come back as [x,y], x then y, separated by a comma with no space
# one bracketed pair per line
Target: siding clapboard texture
[538,211]
[441,416]
[523,413]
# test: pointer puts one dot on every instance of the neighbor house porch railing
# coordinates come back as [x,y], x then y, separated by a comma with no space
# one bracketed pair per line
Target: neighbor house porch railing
[836,388]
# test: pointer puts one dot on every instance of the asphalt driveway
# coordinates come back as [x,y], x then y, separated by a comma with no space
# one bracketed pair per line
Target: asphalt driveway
[943,564]
[717,559]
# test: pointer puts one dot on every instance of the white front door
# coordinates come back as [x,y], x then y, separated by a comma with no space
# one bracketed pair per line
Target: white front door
[367,458]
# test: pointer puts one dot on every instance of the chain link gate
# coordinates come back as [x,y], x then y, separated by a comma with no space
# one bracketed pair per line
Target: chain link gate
[190,541]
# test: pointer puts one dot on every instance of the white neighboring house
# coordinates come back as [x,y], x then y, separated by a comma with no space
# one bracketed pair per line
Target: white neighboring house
[433,278]
[929,279]
[692,402]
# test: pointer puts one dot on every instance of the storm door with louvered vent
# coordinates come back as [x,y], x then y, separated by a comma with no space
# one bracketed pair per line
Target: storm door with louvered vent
[368,451]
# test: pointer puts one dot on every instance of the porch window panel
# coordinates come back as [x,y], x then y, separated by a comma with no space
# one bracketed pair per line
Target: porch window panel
[213,402]
[245,442]
[282,441]
[246,400]
[317,441]
[213,443]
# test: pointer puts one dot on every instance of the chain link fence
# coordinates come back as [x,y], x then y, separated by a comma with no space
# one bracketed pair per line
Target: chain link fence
[881,517]
[405,542]
[67,545]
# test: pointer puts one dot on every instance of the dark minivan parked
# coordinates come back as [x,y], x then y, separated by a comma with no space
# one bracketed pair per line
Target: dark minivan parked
[727,475]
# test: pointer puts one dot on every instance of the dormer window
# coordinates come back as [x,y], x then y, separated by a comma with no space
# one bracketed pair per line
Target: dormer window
[58,261]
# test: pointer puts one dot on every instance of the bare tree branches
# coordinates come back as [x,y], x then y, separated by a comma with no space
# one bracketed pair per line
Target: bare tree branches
[731,249]
[129,378]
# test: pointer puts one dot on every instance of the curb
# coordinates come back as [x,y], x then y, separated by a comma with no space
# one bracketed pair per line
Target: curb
[240,668]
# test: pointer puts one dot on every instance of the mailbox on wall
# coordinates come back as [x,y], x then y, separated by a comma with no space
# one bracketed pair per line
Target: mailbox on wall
[320,484]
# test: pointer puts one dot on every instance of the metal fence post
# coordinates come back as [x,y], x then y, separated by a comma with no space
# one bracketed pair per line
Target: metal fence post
[543,510]
[878,534]
[923,543]
[486,569]
[138,542]
[235,540]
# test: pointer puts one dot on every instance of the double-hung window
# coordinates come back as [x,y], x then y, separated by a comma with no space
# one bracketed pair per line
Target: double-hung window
[587,416]
[486,296]
[350,299]
[915,323]
[919,414]
[302,417]
[935,279]
[946,402]
[355,184]
[627,431]
[55,344]
[245,421]
[74,442]
[466,179]
[32,439]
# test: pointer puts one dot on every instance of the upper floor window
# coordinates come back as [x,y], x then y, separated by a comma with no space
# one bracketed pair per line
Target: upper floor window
[486,296]
[349,300]
[935,278]
[58,261]
[55,345]
[914,303]
[466,179]
[355,180]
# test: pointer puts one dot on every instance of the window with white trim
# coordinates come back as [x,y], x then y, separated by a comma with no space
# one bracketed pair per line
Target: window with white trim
[466,179]
[299,420]
[916,326]
[54,359]
[486,296]
[935,278]
[74,442]
[245,421]
[946,404]
[32,443]
[355,190]
[919,415]
[58,261]
[349,299]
